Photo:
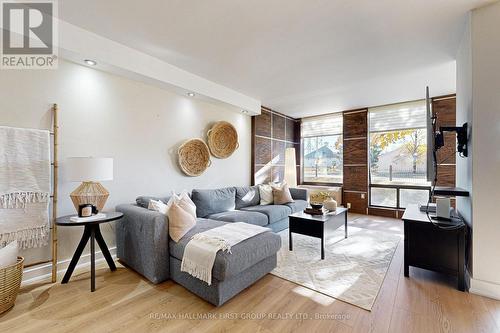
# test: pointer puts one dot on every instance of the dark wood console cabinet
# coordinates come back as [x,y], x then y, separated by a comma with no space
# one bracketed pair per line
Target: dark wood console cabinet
[429,247]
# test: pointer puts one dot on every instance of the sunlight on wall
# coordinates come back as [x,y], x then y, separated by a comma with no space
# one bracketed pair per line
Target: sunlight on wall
[260,176]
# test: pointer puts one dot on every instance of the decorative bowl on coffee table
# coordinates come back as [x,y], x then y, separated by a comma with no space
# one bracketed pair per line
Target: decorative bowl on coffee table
[316,206]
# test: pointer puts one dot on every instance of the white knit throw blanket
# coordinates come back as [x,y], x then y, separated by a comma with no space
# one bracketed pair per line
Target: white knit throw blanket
[199,254]
[24,186]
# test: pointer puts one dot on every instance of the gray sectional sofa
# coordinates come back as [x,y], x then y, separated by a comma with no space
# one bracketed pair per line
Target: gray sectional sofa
[143,243]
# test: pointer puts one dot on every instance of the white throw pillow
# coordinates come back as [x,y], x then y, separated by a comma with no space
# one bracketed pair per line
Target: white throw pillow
[8,254]
[159,206]
[266,194]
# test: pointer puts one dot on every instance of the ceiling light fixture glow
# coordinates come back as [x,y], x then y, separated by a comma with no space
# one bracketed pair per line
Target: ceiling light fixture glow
[90,62]
[191,94]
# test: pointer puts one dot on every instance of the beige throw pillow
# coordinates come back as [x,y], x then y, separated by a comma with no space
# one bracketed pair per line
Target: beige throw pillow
[180,220]
[282,195]
[266,194]
[186,203]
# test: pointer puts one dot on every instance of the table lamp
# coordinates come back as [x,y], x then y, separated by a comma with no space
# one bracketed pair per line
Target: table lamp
[89,171]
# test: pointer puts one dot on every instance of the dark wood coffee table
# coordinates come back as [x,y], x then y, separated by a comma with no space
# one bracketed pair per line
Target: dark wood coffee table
[314,225]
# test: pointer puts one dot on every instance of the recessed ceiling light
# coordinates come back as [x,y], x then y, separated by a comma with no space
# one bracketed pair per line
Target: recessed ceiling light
[244,111]
[90,62]
[191,94]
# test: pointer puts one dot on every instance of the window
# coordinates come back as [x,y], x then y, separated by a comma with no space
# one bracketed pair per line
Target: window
[398,154]
[322,149]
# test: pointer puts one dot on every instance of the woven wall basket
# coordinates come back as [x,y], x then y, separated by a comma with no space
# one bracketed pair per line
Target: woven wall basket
[194,157]
[222,139]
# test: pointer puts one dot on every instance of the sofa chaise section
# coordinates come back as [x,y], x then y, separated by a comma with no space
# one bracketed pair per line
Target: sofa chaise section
[243,255]
[232,272]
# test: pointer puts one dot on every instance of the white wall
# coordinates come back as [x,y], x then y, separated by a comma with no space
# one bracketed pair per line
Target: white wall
[140,126]
[483,80]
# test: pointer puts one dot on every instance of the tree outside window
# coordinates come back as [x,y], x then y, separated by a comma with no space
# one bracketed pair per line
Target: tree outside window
[398,157]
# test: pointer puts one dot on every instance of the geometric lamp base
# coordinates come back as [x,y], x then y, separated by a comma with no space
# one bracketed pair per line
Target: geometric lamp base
[90,193]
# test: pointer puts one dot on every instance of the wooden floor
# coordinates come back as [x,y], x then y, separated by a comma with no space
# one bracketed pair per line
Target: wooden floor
[126,302]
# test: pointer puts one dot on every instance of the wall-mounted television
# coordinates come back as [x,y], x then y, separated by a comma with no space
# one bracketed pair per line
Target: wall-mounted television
[430,138]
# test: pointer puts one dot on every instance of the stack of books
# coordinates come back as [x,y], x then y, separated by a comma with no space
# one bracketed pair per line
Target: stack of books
[313,211]
[95,217]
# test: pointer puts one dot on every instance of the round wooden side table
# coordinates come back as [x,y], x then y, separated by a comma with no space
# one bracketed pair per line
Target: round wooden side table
[91,231]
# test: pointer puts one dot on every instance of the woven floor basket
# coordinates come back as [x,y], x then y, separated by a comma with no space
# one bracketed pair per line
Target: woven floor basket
[194,157]
[10,281]
[222,139]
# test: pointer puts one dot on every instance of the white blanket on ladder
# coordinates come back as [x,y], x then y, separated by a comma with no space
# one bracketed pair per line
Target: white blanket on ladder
[24,186]
[199,254]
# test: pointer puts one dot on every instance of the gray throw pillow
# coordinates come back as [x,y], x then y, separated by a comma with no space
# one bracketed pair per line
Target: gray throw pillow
[247,196]
[213,201]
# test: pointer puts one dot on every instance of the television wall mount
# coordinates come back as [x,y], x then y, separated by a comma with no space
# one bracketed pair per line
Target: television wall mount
[462,138]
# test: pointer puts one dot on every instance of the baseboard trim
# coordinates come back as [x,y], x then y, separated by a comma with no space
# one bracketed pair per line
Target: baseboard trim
[44,271]
[485,288]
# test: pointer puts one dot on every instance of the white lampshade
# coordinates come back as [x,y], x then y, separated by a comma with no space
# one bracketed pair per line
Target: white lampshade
[80,169]
[290,167]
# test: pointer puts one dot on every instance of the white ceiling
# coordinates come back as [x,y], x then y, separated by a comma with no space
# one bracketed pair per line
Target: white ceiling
[299,57]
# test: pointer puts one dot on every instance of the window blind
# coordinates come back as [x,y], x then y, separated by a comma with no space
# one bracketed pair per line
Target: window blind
[322,125]
[398,116]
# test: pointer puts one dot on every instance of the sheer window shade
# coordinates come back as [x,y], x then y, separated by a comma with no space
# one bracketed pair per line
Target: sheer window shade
[398,116]
[322,125]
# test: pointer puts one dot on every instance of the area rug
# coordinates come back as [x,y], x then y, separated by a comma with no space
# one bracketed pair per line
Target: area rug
[353,269]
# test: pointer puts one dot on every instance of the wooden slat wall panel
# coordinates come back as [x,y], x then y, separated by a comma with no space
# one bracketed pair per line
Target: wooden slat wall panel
[386,212]
[262,150]
[263,124]
[279,127]
[290,130]
[358,204]
[445,112]
[272,133]
[297,132]
[355,152]
[355,160]
[446,175]
[263,174]
[356,124]
[278,155]
[447,153]
[356,178]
